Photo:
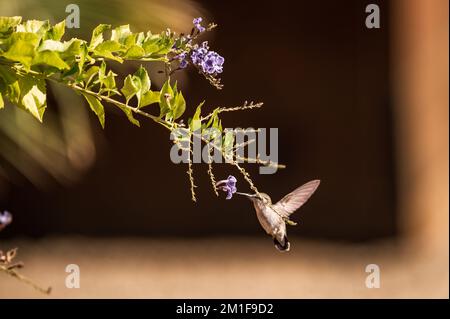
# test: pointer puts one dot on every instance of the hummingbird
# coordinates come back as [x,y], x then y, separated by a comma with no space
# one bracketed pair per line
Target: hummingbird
[274,217]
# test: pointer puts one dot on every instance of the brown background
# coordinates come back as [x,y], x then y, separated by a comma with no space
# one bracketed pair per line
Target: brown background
[324,78]
[364,110]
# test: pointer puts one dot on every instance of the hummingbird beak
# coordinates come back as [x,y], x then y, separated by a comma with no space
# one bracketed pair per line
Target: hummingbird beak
[249,196]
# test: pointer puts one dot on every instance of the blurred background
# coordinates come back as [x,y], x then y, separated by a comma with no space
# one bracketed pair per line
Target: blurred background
[364,110]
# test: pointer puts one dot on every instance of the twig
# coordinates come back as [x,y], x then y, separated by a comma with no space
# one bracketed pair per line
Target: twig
[14,273]
[245,106]
[210,172]
[190,172]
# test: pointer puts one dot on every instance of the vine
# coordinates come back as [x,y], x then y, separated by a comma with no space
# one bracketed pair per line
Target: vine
[33,53]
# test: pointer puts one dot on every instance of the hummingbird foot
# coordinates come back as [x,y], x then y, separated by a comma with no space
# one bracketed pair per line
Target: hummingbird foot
[290,222]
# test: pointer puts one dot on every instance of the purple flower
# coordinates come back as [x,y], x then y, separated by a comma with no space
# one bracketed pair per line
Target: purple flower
[228,185]
[183,64]
[197,24]
[183,61]
[199,53]
[5,219]
[197,20]
[212,63]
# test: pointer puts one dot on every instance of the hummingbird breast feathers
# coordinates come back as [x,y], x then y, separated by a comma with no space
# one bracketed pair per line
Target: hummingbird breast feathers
[270,221]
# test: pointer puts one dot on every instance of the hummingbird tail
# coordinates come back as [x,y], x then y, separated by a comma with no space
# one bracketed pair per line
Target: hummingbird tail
[280,247]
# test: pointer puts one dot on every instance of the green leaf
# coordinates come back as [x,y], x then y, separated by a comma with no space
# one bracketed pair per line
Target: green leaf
[97,35]
[109,45]
[96,107]
[21,48]
[179,106]
[107,48]
[82,55]
[144,81]
[139,40]
[53,53]
[137,84]
[129,113]
[25,91]
[7,78]
[90,74]
[135,52]
[142,74]
[75,50]
[120,34]
[50,58]
[2,103]
[109,82]
[175,88]
[7,23]
[150,97]
[102,71]
[213,118]
[130,88]
[196,123]
[52,45]
[33,96]
[56,32]
[165,44]
[150,44]
[37,27]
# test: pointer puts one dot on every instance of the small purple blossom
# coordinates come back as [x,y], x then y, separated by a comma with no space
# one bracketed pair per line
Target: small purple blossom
[182,58]
[197,24]
[183,64]
[5,219]
[228,185]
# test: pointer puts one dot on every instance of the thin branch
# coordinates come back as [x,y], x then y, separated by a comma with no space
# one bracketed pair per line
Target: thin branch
[245,106]
[246,177]
[14,273]
[210,172]
[190,172]
[156,119]
[259,161]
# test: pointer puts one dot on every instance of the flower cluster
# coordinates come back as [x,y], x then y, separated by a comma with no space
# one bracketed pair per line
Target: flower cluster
[209,62]
[228,185]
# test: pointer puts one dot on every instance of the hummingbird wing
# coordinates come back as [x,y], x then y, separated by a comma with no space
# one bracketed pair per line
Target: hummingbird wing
[295,199]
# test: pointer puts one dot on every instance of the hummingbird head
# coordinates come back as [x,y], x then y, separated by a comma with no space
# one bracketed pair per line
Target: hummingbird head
[262,198]
[266,200]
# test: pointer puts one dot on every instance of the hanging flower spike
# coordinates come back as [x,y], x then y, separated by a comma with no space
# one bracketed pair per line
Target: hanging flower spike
[228,185]
[197,24]
[5,219]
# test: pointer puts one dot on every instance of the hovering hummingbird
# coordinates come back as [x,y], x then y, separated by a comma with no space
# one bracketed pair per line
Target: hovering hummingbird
[274,217]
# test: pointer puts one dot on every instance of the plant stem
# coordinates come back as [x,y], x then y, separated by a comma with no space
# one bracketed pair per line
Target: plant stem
[26,280]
